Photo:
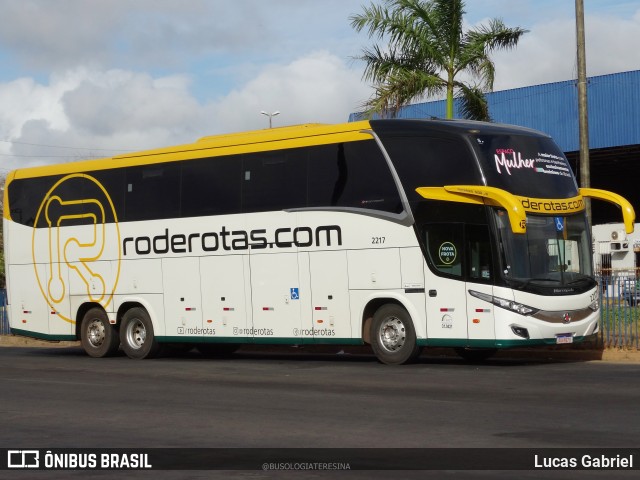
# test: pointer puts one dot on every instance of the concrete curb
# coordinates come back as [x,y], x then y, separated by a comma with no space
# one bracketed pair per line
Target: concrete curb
[542,354]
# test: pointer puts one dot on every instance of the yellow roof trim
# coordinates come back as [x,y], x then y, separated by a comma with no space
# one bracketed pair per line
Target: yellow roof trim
[480,195]
[628,213]
[271,132]
[230,144]
[5,197]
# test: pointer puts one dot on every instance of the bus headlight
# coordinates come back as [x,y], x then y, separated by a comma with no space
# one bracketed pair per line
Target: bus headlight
[504,303]
[595,305]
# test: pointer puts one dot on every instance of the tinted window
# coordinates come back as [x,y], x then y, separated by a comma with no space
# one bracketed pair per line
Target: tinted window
[274,180]
[114,183]
[211,186]
[152,192]
[457,240]
[352,174]
[72,200]
[431,162]
[526,165]
[445,247]
[25,197]
[479,263]
[76,201]
[324,172]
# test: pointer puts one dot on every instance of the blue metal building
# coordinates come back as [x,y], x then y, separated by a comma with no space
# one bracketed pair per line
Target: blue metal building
[614,126]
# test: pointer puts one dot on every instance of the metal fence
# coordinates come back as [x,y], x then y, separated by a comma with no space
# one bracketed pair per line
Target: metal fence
[619,314]
[620,311]
[4,317]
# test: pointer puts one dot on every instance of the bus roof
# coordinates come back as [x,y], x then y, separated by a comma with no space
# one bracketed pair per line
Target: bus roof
[410,126]
[272,139]
[225,144]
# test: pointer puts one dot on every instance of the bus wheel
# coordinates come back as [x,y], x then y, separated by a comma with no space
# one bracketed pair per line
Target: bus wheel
[98,337]
[393,337]
[476,354]
[136,334]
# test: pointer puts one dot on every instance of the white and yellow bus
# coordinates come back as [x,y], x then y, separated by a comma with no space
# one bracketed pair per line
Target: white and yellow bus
[400,234]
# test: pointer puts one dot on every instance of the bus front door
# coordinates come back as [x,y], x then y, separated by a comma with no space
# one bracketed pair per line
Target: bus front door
[444,284]
[446,310]
[460,259]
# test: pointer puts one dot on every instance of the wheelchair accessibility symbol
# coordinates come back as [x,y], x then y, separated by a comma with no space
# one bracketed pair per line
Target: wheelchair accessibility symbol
[295,294]
[559,224]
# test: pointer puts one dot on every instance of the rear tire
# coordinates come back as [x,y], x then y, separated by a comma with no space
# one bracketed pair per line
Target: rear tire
[136,335]
[98,337]
[393,337]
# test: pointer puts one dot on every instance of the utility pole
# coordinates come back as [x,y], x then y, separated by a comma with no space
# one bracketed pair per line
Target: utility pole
[585,171]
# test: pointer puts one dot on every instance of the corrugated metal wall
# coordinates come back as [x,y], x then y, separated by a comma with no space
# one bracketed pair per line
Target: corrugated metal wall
[551,108]
[614,110]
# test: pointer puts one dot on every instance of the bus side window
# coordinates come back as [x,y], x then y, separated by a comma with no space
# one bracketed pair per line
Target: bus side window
[479,248]
[429,161]
[352,174]
[152,192]
[25,198]
[211,186]
[274,180]
[445,247]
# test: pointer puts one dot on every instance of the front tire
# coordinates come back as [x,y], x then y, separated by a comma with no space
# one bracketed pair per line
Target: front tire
[136,335]
[98,337]
[393,337]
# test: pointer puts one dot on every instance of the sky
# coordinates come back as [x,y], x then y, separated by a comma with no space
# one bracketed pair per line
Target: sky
[94,78]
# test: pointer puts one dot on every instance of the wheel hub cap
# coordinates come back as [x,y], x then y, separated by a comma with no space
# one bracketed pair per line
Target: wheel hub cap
[392,334]
[96,333]
[136,334]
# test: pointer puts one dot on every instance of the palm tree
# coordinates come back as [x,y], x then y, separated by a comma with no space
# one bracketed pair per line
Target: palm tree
[426,53]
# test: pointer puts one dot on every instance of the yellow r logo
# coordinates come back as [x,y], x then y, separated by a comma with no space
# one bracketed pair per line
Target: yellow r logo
[76,244]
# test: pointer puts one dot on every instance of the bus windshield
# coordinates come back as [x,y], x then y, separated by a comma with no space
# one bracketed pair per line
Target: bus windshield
[553,256]
[532,166]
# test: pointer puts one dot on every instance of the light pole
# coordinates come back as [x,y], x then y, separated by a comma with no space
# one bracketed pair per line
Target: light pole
[270,115]
[583,117]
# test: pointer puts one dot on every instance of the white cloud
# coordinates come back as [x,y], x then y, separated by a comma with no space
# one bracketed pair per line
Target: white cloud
[23,100]
[93,111]
[548,52]
[44,35]
[612,44]
[315,88]
[98,110]
[92,85]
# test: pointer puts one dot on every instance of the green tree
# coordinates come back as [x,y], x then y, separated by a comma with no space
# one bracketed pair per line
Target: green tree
[426,53]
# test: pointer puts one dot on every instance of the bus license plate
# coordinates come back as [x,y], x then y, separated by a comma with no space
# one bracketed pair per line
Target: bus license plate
[564,338]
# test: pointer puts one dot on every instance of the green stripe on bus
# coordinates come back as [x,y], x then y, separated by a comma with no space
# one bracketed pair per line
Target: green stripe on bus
[464,342]
[262,340]
[42,336]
